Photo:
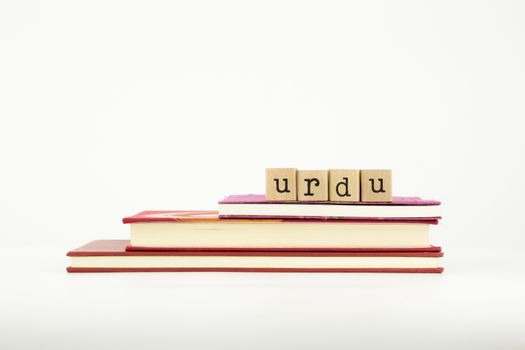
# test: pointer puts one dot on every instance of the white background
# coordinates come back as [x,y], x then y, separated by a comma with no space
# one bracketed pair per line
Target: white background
[112,107]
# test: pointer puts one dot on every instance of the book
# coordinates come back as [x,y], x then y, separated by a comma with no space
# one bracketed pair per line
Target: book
[112,256]
[204,230]
[256,206]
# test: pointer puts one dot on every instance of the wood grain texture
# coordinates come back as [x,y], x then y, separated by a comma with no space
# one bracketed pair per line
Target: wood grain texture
[344,185]
[376,185]
[281,184]
[312,185]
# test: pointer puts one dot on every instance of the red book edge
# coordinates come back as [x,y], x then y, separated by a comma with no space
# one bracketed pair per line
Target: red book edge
[432,220]
[213,217]
[118,248]
[362,270]
[261,199]
[131,248]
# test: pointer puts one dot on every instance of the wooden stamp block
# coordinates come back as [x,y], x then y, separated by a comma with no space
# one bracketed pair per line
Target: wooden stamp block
[344,185]
[281,184]
[376,185]
[312,185]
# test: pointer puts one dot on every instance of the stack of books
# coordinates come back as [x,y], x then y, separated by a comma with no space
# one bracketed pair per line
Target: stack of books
[251,233]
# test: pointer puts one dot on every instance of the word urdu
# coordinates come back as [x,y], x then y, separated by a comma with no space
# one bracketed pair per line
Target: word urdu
[336,185]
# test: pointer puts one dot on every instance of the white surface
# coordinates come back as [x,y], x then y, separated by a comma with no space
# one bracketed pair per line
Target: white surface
[111,107]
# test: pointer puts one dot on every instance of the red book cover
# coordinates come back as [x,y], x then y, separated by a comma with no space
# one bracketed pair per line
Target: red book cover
[131,248]
[184,216]
[252,206]
[261,199]
[117,248]
[213,216]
